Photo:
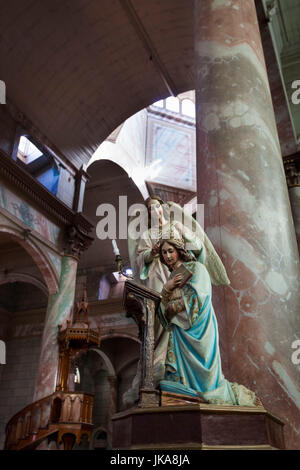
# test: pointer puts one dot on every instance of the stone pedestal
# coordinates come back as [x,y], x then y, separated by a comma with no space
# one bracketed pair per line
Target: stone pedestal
[199,426]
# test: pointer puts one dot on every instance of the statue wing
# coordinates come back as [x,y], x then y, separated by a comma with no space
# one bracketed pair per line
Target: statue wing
[212,261]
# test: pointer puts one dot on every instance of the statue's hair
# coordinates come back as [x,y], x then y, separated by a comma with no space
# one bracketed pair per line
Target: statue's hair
[178,244]
[155,197]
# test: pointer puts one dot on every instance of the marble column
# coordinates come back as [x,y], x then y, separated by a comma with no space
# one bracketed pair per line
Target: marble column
[113,398]
[241,181]
[59,310]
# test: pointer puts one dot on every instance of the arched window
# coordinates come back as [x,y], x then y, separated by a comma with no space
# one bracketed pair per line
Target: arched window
[188,108]
[159,104]
[172,104]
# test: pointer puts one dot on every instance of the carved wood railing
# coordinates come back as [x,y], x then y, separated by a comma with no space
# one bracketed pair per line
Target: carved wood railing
[64,413]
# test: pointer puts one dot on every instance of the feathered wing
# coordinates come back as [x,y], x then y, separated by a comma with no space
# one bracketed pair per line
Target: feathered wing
[214,265]
[212,261]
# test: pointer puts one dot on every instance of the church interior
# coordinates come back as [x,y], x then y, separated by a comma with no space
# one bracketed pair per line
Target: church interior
[104,104]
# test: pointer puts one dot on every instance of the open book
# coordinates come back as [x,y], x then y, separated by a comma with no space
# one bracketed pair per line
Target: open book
[186,273]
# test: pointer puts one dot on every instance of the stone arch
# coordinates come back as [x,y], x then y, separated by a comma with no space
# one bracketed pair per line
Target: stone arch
[111,152]
[106,360]
[23,277]
[121,335]
[38,255]
[105,176]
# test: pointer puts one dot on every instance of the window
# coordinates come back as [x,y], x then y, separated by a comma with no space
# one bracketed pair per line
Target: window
[188,108]
[27,151]
[41,165]
[183,105]
[172,104]
[159,104]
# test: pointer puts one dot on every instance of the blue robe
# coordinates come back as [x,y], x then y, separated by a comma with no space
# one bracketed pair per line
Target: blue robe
[192,360]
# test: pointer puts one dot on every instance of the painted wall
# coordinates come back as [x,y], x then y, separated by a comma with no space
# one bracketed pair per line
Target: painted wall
[171,153]
[18,377]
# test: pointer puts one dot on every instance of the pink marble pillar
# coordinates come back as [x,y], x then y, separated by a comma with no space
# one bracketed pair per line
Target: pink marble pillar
[58,312]
[112,407]
[248,218]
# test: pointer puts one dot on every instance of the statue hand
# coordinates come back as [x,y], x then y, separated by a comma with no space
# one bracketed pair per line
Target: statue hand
[155,248]
[174,282]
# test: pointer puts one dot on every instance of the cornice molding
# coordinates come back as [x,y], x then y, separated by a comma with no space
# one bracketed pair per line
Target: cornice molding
[76,241]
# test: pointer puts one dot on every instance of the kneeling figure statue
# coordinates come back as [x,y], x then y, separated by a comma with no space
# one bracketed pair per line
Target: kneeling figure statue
[189,348]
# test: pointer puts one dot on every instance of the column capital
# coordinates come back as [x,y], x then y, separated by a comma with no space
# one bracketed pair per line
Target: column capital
[76,241]
[112,379]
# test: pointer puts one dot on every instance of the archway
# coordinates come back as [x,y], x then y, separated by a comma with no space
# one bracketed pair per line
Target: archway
[45,266]
[22,314]
[23,303]
[23,277]
[110,185]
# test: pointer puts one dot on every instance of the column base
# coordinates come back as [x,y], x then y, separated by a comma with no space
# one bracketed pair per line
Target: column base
[149,398]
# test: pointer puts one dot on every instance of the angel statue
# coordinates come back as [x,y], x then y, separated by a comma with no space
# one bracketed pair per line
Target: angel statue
[178,260]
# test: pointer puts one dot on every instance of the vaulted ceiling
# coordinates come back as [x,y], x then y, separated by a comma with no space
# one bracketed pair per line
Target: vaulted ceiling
[79,68]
